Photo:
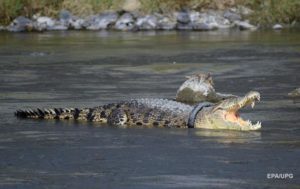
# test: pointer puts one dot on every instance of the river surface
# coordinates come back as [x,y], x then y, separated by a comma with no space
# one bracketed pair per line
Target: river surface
[82,69]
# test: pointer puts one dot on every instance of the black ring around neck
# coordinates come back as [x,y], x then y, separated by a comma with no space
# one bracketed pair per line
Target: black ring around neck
[194,112]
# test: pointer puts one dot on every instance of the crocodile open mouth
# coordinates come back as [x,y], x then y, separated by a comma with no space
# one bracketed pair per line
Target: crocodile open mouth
[232,107]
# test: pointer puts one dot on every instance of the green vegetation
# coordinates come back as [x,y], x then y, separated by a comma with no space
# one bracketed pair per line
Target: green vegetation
[171,5]
[265,11]
[274,11]
[9,9]
[89,7]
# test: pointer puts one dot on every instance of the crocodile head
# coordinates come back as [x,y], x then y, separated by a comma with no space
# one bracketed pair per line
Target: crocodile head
[225,115]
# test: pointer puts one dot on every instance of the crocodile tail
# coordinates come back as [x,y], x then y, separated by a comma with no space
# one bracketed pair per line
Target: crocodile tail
[53,113]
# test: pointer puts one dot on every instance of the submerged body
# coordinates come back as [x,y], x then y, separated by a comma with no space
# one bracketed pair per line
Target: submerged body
[158,113]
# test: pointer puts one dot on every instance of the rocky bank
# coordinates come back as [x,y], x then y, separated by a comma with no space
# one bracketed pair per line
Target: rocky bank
[126,20]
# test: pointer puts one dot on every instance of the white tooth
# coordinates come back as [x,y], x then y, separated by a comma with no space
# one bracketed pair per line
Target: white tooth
[256,126]
[253,104]
[249,122]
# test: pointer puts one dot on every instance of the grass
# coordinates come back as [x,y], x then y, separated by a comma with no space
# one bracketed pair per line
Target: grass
[89,7]
[274,11]
[10,9]
[165,6]
[266,12]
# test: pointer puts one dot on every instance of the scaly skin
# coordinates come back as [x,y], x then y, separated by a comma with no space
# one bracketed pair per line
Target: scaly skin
[156,113]
[199,88]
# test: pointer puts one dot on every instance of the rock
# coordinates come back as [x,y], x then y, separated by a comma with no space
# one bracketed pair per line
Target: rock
[102,21]
[244,25]
[196,21]
[195,17]
[2,28]
[39,27]
[165,23]
[89,21]
[46,20]
[46,23]
[183,17]
[77,24]
[131,5]
[208,21]
[20,24]
[277,27]
[148,22]
[66,18]
[231,16]
[244,11]
[65,15]
[58,27]
[126,22]
[216,19]
[204,27]
[221,23]
[181,26]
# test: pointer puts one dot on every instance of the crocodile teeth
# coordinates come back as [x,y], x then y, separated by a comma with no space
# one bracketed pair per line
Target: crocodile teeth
[249,122]
[240,105]
[258,124]
[253,104]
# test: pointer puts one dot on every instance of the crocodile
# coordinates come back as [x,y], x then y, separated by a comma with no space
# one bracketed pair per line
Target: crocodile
[199,88]
[158,113]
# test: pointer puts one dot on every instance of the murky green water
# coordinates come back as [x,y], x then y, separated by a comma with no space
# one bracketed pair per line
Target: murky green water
[79,69]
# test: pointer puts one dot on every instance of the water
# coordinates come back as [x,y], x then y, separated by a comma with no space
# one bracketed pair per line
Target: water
[81,69]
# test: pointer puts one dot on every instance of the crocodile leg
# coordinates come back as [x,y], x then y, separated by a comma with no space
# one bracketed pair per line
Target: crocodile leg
[117,117]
